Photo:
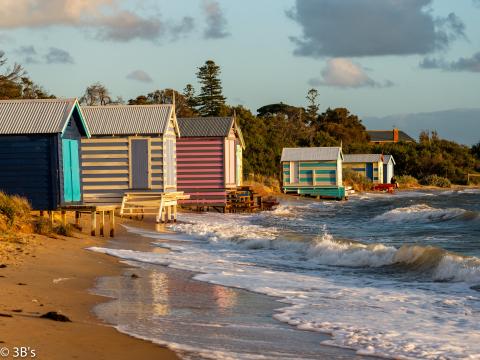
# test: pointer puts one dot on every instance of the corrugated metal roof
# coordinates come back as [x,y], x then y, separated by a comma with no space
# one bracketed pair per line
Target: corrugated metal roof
[359,158]
[49,116]
[386,159]
[205,127]
[127,119]
[387,135]
[311,154]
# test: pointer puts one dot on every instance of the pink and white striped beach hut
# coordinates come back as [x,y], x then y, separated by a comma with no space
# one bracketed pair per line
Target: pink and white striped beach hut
[209,160]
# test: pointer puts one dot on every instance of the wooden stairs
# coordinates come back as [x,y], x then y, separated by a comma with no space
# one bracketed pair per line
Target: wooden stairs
[161,205]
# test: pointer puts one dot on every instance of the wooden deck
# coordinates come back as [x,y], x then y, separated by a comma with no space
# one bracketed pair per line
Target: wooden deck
[93,211]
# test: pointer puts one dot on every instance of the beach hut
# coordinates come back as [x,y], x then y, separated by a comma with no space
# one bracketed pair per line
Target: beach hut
[369,165]
[209,159]
[388,168]
[132,149]
[315,171]
[40,143]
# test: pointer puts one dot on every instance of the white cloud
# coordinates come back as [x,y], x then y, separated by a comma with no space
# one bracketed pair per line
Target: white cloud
[140,75]
[106,18]
[343,73]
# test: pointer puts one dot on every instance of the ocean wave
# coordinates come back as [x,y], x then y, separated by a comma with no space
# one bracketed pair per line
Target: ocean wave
[428,261]
[425,213]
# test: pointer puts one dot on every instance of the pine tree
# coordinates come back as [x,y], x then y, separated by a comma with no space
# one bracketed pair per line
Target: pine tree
[211,100]
[313,107]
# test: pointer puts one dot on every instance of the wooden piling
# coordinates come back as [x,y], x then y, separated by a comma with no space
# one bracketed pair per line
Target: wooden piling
[64,218]
[93,219]
[112,222]
[77,220]
[51,218]
[102,223]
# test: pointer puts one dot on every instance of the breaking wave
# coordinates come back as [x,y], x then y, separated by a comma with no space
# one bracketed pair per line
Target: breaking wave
[434,262]
[425,213]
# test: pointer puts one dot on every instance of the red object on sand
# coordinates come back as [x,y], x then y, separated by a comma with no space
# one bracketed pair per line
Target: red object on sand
[385,187]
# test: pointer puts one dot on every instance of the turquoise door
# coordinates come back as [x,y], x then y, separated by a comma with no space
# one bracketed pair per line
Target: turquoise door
[71,171]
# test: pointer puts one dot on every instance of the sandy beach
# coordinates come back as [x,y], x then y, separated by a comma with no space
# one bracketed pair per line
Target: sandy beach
[56,275]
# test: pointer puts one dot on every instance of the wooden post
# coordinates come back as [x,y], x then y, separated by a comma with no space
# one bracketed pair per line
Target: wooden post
[77,220]
[41,213]
[102,223]
[164,214]
[175,213]
[169,212]
[112,223]
[51,217]
[93,217]
[64,218]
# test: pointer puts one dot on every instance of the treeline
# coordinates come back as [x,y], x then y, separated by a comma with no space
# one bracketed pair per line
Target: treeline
[280,125]
[15,84]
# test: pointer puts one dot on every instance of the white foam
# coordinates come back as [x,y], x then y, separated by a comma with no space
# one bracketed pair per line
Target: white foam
[419,213]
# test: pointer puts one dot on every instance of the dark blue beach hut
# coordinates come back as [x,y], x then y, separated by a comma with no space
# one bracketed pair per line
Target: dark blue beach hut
[40,151]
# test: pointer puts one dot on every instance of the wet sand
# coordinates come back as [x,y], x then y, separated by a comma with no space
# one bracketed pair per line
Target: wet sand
[168,306]
[56,275]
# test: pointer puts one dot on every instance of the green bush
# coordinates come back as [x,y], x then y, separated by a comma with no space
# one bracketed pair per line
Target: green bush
[356,180]
[435,180]
[407,181]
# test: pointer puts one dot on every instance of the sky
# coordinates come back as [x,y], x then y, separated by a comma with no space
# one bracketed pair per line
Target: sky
[375,57]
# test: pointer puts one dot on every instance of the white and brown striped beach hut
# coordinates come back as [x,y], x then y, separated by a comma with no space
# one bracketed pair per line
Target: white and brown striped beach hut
[132,149]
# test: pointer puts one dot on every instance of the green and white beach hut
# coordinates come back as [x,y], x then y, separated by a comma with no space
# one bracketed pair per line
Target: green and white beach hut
[315,171]
[369,165]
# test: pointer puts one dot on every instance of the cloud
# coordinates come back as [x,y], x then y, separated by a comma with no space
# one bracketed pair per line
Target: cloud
[28,54]
[58,56]
[186,25]
[216,21]
[343,73]
[140,75]
[470,64]
[353,28]
[106,19]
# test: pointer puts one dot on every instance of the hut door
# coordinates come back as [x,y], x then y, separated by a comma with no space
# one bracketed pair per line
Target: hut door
[369,168]
[71,171]
[140,169]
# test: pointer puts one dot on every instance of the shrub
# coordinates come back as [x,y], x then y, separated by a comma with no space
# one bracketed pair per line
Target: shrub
[407,181]
[356,180]
[64,230]
[435,180]
[42,226]
[15,211]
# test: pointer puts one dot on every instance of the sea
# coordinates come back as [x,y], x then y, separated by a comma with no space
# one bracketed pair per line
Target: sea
[384,275]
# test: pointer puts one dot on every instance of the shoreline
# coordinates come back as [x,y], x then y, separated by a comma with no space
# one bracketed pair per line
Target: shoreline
[182,293]
[58,274]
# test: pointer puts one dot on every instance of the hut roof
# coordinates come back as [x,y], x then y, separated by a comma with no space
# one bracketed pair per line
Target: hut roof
[209,127]
[128,119]
[387,158]
[37,116]
[311,154]
[387,135]
[363,158]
